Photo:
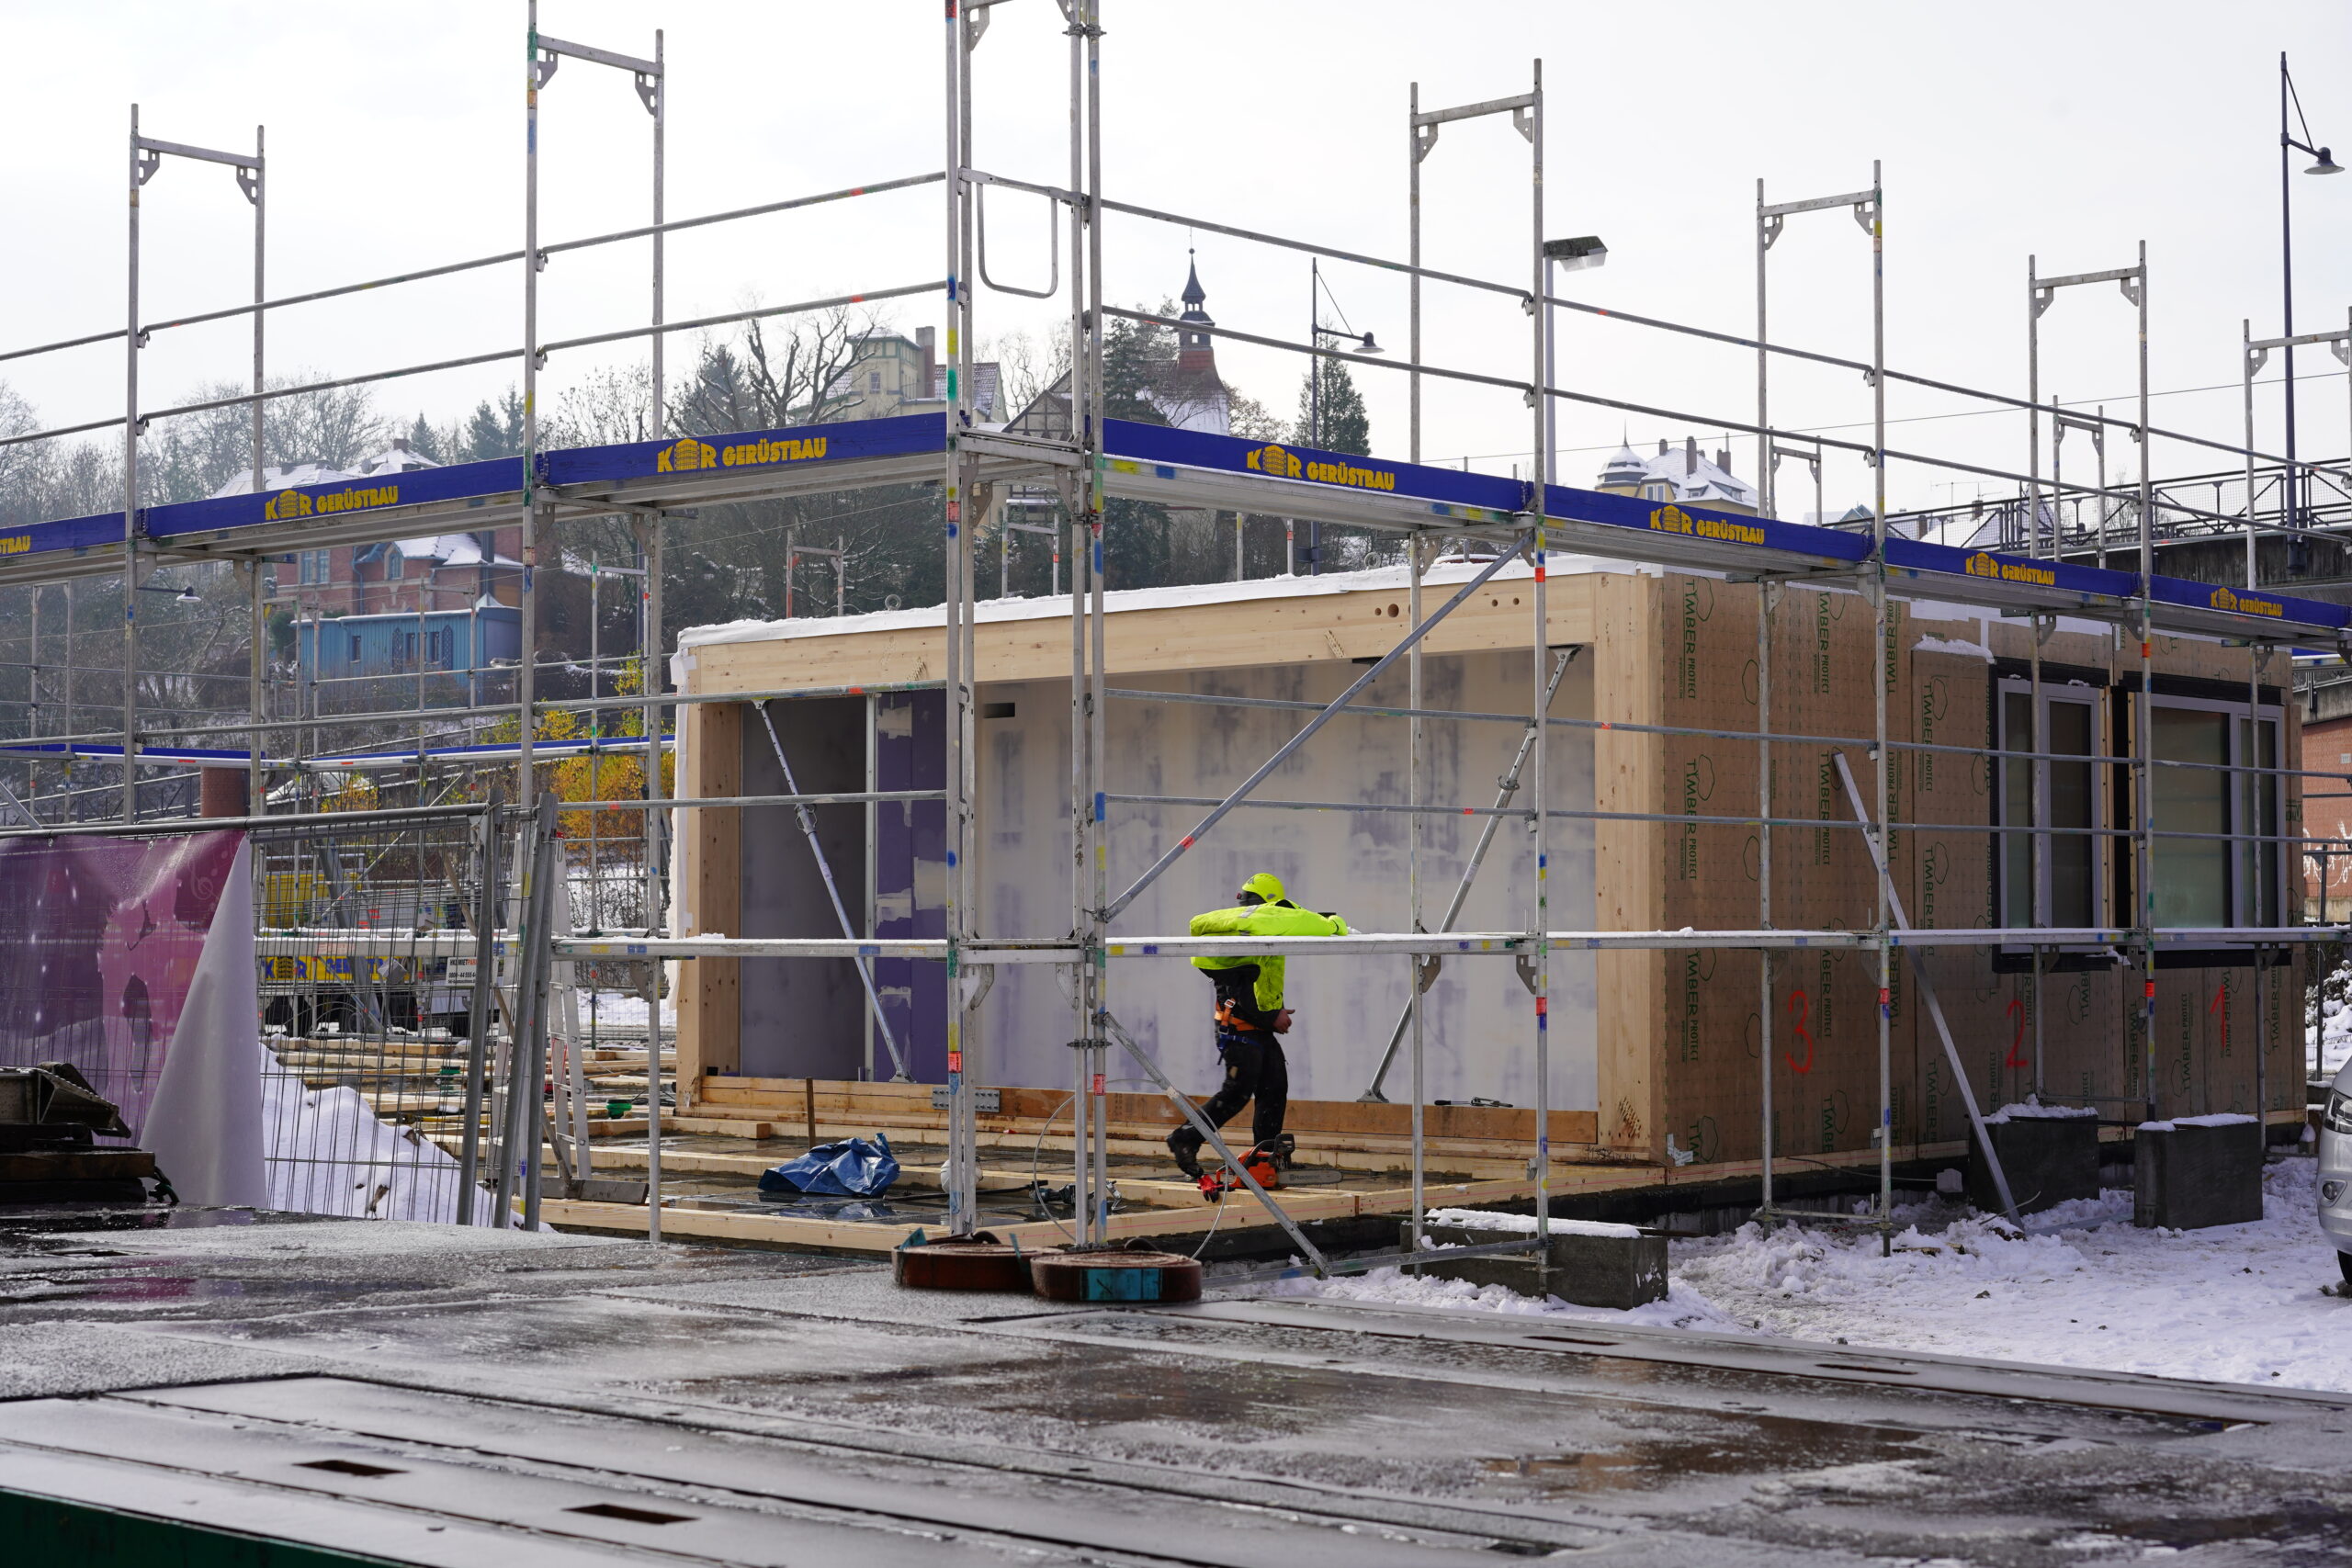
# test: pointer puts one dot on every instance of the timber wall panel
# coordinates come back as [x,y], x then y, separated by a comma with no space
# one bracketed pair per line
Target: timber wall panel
[709,901]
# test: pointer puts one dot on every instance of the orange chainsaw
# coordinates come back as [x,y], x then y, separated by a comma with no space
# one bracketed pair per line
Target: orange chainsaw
[1264,1166]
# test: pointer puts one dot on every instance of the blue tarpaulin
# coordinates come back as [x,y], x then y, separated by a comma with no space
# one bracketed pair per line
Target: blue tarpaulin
[850,1169]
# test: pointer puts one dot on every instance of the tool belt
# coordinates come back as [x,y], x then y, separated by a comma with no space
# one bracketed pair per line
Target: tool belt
[1226,1018]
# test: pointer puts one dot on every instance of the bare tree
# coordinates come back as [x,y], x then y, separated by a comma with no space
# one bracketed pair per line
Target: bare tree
[769,376]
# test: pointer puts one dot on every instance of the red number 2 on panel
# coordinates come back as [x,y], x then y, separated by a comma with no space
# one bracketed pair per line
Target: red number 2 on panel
[2016,1042]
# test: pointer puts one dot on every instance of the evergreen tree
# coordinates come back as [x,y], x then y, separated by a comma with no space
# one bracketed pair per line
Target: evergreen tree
[1340,425]
[1138,543]
[494,430]
[425,441]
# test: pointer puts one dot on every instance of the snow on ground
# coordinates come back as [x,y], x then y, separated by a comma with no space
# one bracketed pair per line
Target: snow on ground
[2334,1040]
[625,1010]
[2328,1018]
[326,1152]
[2234,1303]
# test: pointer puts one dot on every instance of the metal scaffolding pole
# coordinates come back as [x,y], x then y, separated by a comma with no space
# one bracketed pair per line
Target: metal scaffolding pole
[1097,1053]
[965,986]
[147,157]
[1764,597]
[1771,217]
[1081,502]
[2135,289]
[141,171]
[656,829]
[545,54]
[1530,124]
[256,692]
[1883,665]
[538,70]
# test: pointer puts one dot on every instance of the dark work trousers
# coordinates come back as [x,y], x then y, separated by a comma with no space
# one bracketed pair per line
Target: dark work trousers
[1254,1069]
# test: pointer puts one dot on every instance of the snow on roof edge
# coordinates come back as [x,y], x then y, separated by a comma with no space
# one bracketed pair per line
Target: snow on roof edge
[1451,573]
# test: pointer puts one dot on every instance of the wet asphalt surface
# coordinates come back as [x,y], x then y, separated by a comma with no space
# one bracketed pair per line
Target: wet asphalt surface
[421,1394]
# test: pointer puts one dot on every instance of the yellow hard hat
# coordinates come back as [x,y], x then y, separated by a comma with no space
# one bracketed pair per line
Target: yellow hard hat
[1266,885]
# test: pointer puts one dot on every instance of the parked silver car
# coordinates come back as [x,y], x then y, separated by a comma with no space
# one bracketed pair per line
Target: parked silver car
[2335,1169]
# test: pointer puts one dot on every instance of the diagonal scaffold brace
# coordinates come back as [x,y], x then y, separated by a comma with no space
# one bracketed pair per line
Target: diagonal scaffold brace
[841,913]
[1207,1130]
[1425,970]
[1282,753]
[1928,995]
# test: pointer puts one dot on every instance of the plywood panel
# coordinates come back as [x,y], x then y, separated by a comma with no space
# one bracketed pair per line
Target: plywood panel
[1628,771]
[709,901]
[1243,633]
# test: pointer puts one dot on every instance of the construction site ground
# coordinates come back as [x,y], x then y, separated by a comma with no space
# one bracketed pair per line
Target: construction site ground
[219,1386]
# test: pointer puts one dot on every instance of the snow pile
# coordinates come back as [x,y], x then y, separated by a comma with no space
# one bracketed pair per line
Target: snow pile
[2327,1015]
[2236,1303]
[327,1153]
[2219,1119]
[2034,1110]
[626,1010]
[1683,1307]
[1479,1219]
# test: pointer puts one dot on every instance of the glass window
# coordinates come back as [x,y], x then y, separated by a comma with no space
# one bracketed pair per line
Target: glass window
[2259,857]
[2050,878]
[2225,866]
[2192,875]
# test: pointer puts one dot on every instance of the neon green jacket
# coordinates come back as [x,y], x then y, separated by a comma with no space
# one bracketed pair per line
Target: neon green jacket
[1284,919]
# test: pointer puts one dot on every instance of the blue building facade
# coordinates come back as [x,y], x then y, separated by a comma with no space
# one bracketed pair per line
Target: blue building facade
[452,642]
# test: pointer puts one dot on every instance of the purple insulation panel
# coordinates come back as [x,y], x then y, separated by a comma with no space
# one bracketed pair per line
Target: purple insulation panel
[911,876]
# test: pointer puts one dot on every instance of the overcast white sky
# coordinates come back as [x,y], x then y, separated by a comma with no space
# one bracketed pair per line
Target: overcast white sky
[395,139]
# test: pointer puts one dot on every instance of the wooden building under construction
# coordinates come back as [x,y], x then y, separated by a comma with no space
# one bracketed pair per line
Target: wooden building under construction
[1657,1057]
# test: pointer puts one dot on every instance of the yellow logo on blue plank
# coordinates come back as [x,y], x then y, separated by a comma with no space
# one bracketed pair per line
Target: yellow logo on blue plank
[289,504]
[1672,519]
[1274,460]
[688,454]
[1982,564]
[15,544]
[1285,465]
[2246,605]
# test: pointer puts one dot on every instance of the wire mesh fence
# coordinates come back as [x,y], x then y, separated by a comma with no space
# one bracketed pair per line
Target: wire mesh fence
[385,1052]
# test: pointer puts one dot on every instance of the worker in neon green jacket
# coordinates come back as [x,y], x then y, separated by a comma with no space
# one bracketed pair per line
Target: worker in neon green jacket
[1251,1014]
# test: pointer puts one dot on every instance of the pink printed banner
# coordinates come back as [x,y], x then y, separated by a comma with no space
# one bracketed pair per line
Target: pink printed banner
[99,943]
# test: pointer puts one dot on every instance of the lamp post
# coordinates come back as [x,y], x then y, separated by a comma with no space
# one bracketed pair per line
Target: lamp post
[2292,505]
[1575,255]
[1317,333]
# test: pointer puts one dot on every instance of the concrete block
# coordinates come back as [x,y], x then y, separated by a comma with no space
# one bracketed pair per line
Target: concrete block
[1600,1266]
[1512,1271]
[2197,1171]
[2047,1160]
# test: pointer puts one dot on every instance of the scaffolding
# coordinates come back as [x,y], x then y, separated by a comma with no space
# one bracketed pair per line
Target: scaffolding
[2057,572]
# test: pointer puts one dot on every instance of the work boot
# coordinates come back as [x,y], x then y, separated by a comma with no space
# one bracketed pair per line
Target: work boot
[1187,1151]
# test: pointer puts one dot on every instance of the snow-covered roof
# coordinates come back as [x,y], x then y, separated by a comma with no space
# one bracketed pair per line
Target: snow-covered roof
[1696,478]
[396,458]
[446,549]
[284,478]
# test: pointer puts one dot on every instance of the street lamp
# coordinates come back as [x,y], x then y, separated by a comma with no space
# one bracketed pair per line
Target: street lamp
[1579,254]
[187,595]
[1361,343]
[2326,164]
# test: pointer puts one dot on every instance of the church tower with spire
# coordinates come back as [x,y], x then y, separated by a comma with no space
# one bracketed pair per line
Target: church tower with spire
[1193,396]
[1195,349]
